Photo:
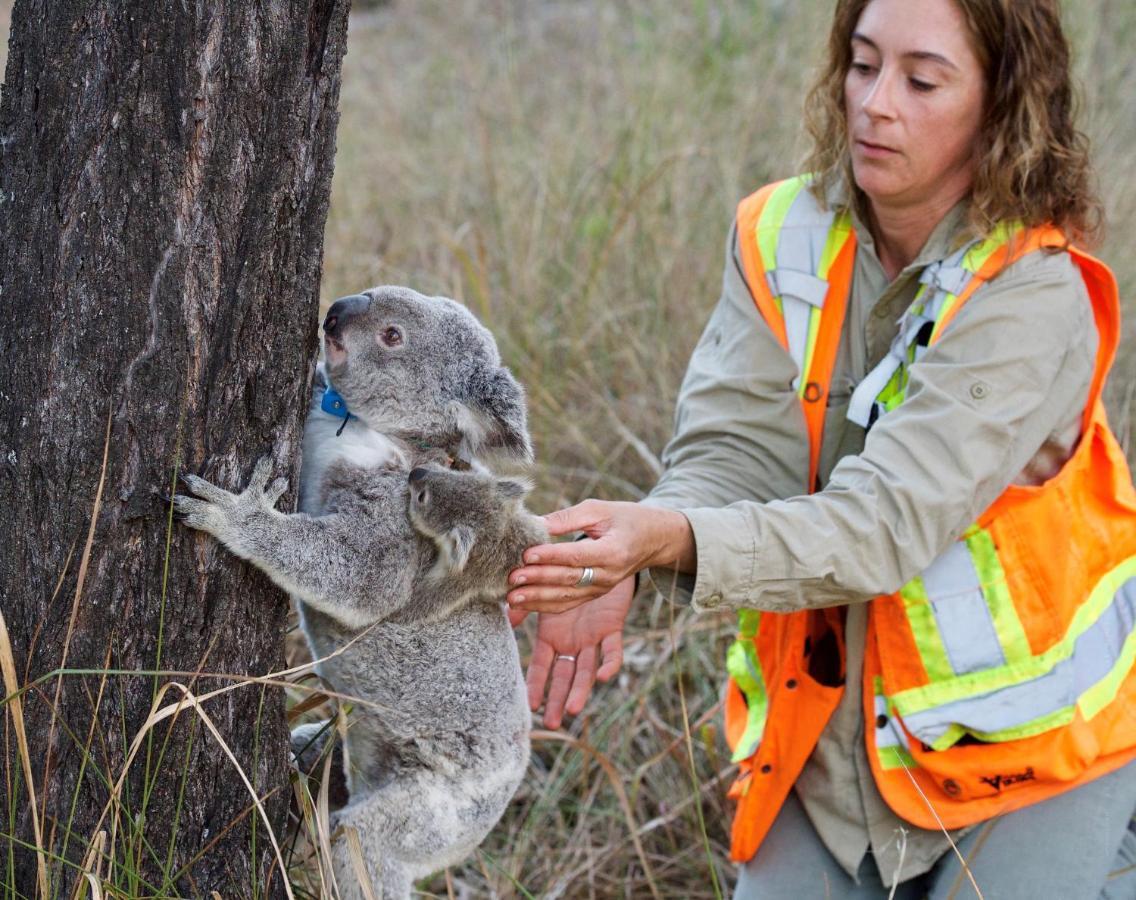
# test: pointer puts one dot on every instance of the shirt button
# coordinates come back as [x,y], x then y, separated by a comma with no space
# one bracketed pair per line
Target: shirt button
[881,721]
[712,601]
[980,390]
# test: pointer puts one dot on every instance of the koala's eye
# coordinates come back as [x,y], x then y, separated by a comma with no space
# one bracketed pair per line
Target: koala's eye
[391,336]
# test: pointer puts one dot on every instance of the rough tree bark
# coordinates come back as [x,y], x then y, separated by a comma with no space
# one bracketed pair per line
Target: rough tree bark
[164,183]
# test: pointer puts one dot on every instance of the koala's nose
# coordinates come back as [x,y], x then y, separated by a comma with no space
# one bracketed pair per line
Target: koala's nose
[417,475]
[342,311]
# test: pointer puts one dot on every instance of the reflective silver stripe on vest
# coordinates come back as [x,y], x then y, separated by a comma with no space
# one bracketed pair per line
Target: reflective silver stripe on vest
[890,734]
[961,612]
[943,277]
[1096,652]
[785,283]
[864,397]
[800,248]
[948,276]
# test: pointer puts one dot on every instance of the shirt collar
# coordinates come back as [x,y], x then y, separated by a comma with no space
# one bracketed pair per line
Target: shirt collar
[950,234]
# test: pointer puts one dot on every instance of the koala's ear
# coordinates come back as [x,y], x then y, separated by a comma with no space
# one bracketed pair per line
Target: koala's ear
[513,488]
[457,543]
[496,404]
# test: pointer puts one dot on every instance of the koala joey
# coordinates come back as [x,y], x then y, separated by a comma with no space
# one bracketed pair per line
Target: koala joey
[398,566]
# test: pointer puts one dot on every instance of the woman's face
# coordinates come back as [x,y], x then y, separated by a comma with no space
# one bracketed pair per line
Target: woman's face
[913,99]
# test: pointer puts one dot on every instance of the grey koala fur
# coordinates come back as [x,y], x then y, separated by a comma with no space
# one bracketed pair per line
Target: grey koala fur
[408,560]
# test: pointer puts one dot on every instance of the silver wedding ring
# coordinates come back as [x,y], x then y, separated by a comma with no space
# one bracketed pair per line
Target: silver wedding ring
[586,578]
[565,656]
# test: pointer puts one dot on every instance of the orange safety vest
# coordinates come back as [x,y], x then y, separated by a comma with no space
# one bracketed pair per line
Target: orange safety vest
[1002,674]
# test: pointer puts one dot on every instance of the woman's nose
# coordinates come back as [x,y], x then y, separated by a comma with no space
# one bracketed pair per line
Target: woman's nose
[879,102]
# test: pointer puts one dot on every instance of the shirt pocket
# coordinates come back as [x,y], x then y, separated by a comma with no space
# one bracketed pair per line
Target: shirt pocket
[841,437]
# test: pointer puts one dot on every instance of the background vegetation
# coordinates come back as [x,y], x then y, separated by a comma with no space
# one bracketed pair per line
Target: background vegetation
[568,169]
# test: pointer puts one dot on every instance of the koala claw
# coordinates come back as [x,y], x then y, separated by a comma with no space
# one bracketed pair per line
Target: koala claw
[204,489]
[275,491]
[193,512]
[167,501]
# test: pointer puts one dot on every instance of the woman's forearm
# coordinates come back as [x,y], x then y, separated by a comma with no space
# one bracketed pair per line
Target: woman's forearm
[674,542]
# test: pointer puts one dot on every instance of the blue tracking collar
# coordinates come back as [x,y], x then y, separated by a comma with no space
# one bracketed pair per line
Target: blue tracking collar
[334,405]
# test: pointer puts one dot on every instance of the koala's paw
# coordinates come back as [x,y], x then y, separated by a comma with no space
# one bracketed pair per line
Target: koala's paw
[221,513]
[259,490]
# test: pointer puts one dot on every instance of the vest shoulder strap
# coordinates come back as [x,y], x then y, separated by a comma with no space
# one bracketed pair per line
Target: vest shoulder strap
[748,215]
[946,287]
[797,260]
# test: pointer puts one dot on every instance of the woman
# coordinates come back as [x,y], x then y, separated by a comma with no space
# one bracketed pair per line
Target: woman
[890,436]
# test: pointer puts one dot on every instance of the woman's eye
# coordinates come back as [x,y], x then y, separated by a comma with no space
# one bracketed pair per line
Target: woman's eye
[922,87]
[392,336]
[861,68]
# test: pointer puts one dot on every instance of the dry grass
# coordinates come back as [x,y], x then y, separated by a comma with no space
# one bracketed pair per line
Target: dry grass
[568,168]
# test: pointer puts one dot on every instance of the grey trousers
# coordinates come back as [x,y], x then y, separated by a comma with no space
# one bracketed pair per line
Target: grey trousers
[1077,846]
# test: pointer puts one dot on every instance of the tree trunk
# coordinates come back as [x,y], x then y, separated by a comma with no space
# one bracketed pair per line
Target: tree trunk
[164,184]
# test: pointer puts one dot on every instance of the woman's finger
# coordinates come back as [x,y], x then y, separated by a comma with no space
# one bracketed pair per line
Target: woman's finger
[575,518]
[555,607]
[554,600]
[582,682]
[568,553]
[565,576]
[563,671]
[537,675]
[612,647]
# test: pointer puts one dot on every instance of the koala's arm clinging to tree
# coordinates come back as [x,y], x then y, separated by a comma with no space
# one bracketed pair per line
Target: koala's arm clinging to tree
[342,571]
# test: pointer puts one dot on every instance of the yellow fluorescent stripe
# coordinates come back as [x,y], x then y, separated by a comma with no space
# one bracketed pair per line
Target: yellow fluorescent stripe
[1104,691]
[977,255]
[810,347]
[748,620]
[745,668]
[974,260]
[987,680]
[1040,725]
[996,592]
[771,218]
[895,757]
[891,756]
[838,236]
[921,618]
[893,392]
[949,300]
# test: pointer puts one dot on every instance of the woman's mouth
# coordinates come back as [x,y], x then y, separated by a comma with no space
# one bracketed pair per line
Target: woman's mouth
[876,151]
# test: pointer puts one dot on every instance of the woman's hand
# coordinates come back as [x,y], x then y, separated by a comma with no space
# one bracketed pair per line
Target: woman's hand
[569,646]
[624,539]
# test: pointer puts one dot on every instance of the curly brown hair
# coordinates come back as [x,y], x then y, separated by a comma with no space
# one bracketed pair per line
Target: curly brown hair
[1033,161]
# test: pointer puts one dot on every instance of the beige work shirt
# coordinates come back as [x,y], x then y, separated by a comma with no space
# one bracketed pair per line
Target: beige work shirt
[998,399]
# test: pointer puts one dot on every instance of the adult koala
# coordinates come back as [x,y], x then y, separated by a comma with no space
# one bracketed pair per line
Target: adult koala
[438,741]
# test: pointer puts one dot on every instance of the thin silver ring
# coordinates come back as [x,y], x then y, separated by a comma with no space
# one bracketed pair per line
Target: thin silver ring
[560,656]
[586,578]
